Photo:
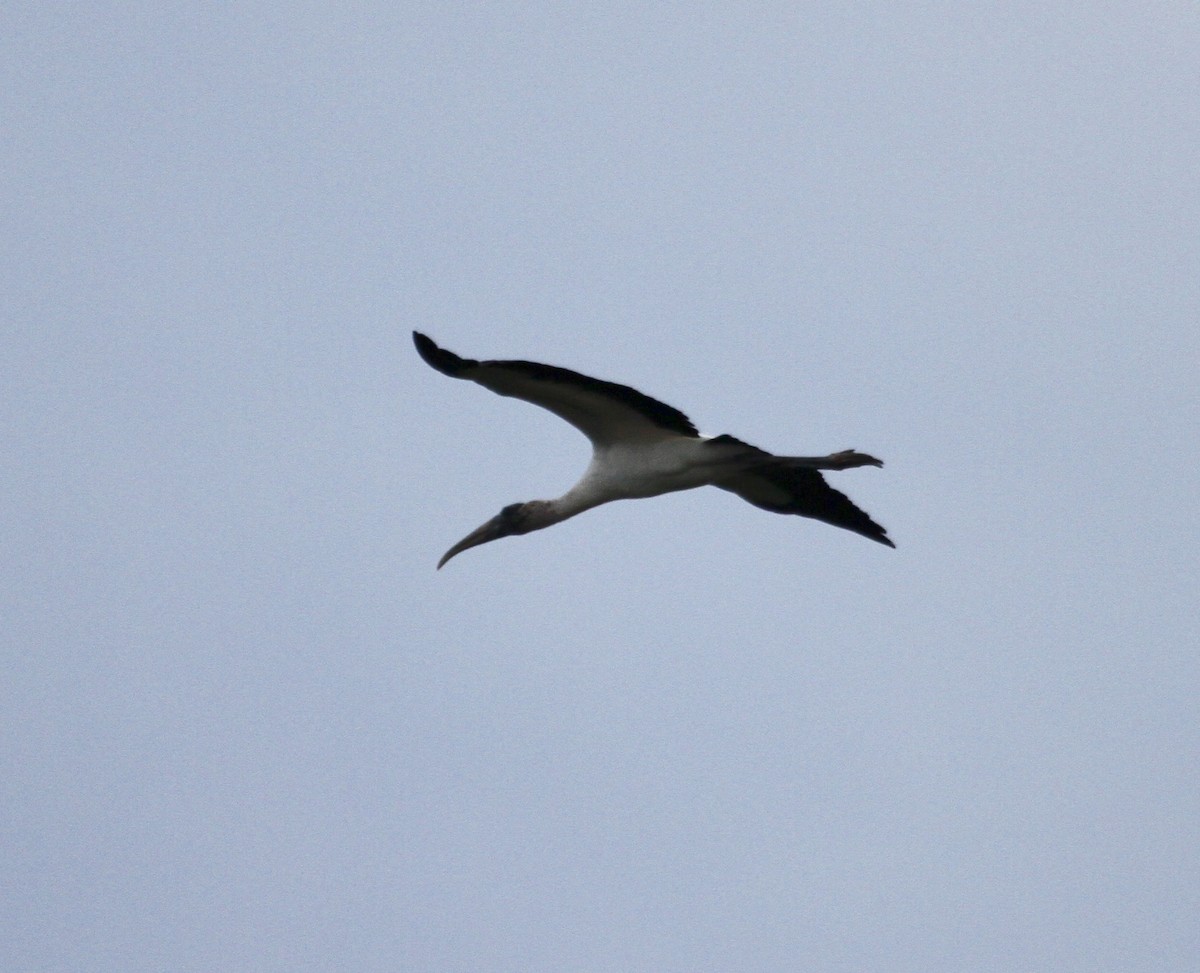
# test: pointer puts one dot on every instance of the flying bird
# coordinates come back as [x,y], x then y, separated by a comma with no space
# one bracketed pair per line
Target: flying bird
[642,448]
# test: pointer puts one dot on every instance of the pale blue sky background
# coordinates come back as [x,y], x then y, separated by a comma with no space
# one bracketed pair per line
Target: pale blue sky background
[246,726]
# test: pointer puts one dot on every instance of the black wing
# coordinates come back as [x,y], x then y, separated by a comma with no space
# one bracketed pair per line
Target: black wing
[605,412]
[784,489]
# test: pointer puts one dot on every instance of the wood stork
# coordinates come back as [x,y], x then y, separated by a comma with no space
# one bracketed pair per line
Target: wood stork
[642,448]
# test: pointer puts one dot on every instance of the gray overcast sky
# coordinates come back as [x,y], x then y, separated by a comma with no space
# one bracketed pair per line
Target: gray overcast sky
[247,726]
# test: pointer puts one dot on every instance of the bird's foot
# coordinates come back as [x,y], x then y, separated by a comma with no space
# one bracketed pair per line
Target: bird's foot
[849,458]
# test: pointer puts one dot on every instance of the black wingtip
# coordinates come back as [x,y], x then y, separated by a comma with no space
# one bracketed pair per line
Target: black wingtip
[444,361]
[866,527]
[872,531]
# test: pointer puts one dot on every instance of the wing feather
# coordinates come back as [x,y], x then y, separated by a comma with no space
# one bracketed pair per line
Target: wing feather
[786,489]
[603,411]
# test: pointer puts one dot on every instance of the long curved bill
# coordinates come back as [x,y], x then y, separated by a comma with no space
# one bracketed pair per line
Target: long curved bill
[491,531]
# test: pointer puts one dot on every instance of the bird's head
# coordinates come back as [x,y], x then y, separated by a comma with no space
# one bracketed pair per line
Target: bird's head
[516,518]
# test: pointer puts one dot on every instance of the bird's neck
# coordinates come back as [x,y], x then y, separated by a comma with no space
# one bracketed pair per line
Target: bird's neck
[574,501]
